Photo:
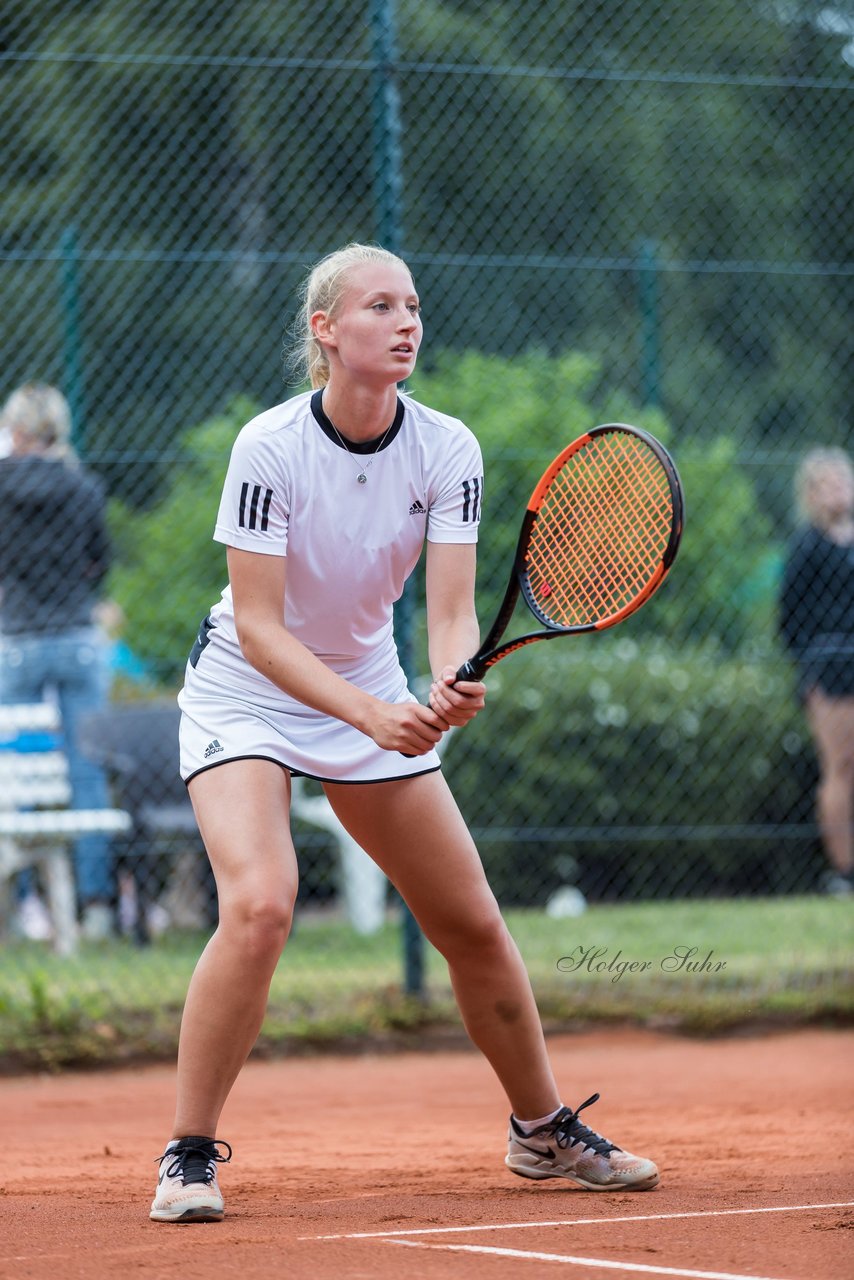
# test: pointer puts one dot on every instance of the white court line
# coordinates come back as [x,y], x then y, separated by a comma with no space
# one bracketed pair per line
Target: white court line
[572,1260]
[577,1222]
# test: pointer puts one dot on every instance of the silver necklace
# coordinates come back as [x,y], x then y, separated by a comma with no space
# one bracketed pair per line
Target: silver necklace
[362,477]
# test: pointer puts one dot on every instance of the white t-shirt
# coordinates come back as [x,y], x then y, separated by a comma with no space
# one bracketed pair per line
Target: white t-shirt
[292,490]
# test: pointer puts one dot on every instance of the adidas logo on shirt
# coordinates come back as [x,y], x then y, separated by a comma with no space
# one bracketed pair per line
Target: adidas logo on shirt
[417,509]
[213,747]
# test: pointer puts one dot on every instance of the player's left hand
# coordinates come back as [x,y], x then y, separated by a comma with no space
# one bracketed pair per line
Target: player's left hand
[456,702]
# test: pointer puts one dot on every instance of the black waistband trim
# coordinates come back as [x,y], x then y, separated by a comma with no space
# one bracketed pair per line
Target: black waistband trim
[314,777]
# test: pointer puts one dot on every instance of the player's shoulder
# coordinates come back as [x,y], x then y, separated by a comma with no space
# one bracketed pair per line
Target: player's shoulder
[432,423]
[289,414]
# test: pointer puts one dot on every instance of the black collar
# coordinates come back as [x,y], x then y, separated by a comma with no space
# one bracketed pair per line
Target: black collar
[352,446]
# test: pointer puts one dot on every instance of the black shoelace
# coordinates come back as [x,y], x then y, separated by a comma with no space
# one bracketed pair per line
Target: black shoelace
[569,1130]
[195,1159]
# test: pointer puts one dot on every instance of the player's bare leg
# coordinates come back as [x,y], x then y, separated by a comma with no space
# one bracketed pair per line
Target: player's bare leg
[243,813]
[416,834]
[414,831]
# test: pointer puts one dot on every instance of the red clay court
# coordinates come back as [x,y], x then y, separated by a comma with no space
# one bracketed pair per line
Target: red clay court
[389,1165]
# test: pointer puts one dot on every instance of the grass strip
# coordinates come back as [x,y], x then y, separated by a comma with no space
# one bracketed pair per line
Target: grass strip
[704,967]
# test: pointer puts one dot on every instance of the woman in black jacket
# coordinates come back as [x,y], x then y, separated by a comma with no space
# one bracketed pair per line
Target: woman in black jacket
[54,555]
[817,625]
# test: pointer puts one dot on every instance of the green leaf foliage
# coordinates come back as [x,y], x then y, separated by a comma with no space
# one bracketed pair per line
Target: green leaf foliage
[525,410]
[617,761]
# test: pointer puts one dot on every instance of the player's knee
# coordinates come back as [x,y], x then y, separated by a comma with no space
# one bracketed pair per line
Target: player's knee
[482,935]
[491,935]
[263,921]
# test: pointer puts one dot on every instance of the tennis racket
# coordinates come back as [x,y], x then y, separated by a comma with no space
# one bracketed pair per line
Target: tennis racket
[599,535]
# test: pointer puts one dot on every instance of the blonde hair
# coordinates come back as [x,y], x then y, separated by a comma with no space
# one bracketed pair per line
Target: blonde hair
[40,413]
[812,466]
[323,290]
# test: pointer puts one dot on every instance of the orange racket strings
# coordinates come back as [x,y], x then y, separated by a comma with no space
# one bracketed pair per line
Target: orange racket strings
[601,532]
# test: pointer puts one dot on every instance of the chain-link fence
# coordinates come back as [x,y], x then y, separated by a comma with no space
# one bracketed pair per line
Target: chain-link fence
[624,211]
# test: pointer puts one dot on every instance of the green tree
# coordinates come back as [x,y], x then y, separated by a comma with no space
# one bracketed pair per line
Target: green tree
[524,411]
[200,156]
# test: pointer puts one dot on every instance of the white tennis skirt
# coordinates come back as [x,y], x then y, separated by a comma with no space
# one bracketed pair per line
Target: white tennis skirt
[221,721]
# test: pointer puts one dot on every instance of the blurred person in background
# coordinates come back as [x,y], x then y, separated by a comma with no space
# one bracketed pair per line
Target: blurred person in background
[54,555]
[817,626]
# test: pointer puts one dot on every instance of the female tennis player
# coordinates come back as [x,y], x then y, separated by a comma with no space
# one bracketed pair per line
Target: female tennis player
[327,503]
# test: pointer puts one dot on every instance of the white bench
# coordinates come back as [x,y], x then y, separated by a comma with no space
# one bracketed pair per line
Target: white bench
[37,827]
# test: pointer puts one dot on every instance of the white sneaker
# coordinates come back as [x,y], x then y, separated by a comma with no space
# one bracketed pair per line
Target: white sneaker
[566,1148]
[187,1189]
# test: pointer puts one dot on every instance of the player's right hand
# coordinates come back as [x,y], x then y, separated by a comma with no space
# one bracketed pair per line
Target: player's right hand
[407,727]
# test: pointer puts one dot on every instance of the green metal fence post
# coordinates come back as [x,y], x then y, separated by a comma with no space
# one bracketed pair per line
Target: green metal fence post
[388,181]
[388,194]
[650,323]
[72,353]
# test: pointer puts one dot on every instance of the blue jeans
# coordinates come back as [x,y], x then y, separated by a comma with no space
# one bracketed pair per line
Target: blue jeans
[72,667]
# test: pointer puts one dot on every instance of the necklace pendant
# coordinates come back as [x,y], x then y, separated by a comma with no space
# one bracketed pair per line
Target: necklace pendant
[362,478]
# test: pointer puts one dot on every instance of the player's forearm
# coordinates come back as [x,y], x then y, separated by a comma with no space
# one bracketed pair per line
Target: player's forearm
[452,629]
[452,641]
[288,664]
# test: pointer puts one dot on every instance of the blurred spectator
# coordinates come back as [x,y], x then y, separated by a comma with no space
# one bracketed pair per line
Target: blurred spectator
[54,554]
[817,625]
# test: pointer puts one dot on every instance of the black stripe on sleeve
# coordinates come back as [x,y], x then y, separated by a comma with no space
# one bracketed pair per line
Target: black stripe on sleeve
[248,519]
[265,510]
[472,495]
[253,509]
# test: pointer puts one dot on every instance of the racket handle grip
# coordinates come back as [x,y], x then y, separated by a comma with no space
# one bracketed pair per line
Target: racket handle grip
[468,671]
